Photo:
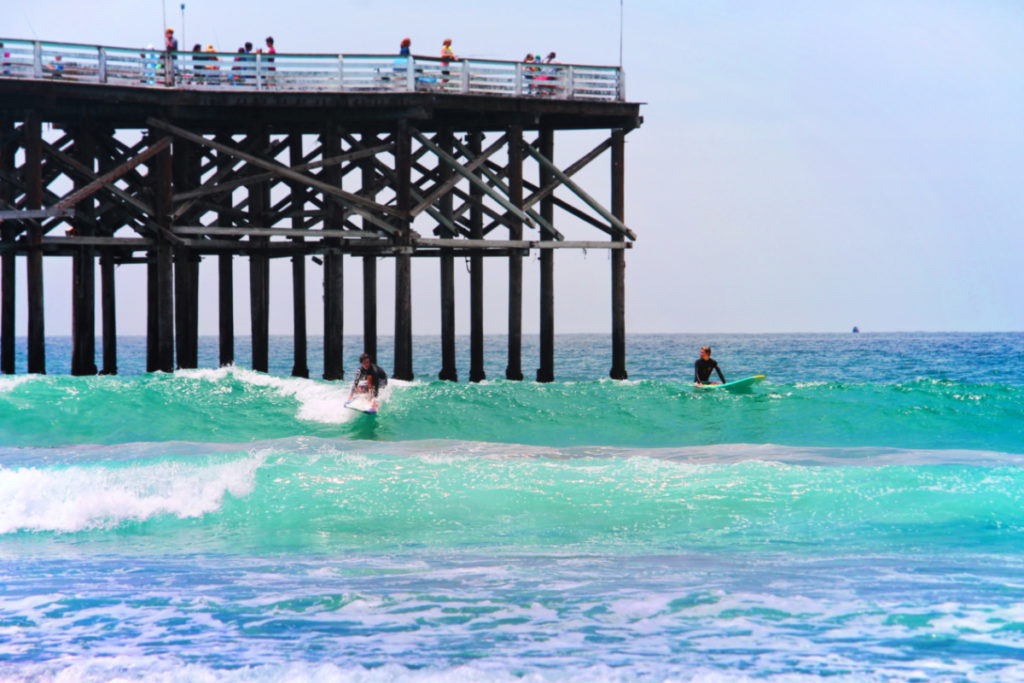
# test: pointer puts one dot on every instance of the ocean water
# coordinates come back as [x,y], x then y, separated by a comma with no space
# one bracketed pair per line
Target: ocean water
[859,516]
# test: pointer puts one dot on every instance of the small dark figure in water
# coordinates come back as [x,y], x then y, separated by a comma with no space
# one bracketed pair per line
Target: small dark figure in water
[703,367]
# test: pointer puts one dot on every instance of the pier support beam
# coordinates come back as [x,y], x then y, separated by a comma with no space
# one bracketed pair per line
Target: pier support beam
[447,263]
[334,300]
[32,134]
[514,369]
[259,266]
[83,267]
[618,150]
[161,281]
[403,260]
[546,371]
[187,171]
[476,273]
[8,265]
[108,295]
[369,190]
[225,269]
[300,368]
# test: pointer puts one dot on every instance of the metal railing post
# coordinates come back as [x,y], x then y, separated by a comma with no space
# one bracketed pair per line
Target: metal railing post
[341,73]
[102,56]
[519,80]
[37,59]
[622,86]
[259,71]
[465,76]
[410,74]
[570,90]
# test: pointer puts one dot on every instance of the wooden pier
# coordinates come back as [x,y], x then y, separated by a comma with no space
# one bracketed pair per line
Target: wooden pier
[120,156]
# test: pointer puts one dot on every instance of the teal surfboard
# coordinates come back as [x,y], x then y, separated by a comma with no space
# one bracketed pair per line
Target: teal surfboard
[740,386]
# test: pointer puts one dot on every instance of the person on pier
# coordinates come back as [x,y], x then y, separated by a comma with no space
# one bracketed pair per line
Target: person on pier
[370,379]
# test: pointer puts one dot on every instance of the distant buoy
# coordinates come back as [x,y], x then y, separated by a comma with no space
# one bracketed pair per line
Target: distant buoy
[856,329]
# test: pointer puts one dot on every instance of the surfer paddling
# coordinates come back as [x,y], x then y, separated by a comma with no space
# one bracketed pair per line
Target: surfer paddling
[369,381]
[703,367]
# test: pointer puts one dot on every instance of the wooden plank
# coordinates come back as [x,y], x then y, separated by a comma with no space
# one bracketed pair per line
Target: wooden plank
[442,242]
[270,232]
[25,214]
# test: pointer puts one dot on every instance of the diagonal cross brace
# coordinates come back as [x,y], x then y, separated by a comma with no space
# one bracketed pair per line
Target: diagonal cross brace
[360,205]
[619,226]
[112,175]
[472,178]
[496,181]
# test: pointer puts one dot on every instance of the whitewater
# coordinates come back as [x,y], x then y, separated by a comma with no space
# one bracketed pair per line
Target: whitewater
[859,516]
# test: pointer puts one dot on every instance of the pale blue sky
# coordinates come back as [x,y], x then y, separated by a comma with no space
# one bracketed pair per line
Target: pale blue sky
[803,166]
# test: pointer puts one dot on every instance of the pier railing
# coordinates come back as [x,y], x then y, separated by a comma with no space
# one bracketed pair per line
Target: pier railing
[33,59]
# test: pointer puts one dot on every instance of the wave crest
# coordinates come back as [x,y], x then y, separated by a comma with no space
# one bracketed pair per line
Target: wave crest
[76,498]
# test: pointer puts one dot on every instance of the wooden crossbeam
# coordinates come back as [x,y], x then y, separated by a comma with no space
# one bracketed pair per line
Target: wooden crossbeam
[580,192]
[454,180]
[392,176]
[361,205]
[25,214]
[112,175]
[269,232]
[443,242]
[472,178]
[496,181]
[134,202]
[225,186]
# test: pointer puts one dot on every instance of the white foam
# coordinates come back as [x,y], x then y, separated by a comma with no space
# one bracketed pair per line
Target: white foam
[10,382]
[318,401]
[77,498]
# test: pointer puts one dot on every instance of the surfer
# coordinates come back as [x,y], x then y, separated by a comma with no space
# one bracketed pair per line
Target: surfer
[369,380]
[703,367]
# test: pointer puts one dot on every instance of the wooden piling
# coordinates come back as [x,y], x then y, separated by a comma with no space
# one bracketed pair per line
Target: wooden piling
[108,294]
[8,266]
[32,134]
[546,371]
[186,168]
[618,208]
[83,266]
[514,369]
[369,184]
[259,264]
[300,368]
[334,300]
[225,270]
[403,259]
[447,264]
[476,273]
[163,282]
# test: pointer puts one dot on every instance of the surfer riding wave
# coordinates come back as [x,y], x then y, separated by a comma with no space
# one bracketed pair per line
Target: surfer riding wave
[369,380]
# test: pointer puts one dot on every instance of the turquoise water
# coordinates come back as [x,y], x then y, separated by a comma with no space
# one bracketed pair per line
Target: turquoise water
[860,516]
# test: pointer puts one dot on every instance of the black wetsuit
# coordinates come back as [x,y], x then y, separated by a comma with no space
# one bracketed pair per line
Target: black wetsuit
[380,378]
[702,370]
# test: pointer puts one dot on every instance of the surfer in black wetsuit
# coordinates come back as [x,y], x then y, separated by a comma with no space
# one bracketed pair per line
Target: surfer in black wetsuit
[369,380]
[703,367]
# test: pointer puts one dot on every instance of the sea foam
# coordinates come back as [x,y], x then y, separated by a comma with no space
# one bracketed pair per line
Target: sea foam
[76,498]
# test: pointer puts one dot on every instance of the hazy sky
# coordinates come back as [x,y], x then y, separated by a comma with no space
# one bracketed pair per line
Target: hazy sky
[803,165]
